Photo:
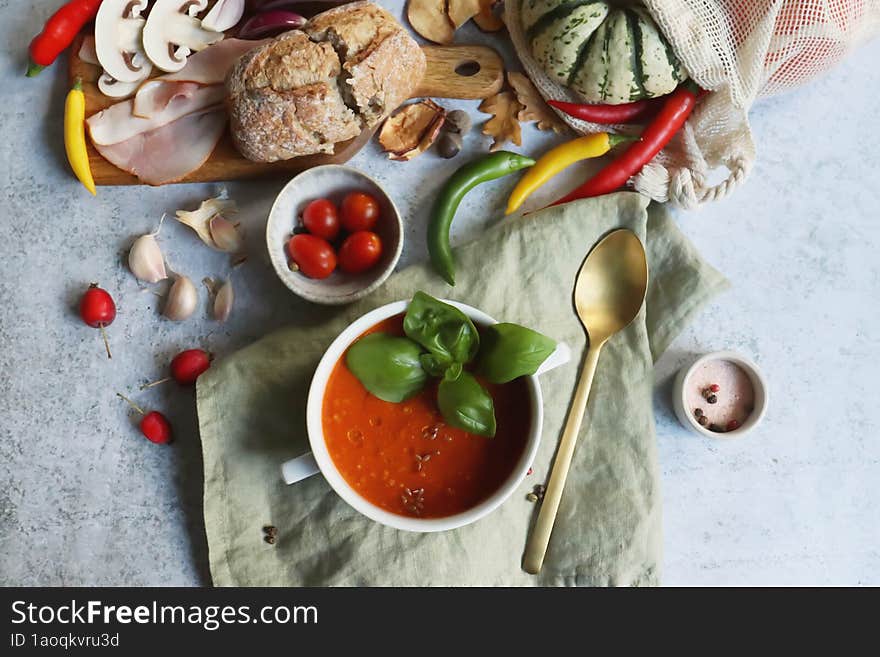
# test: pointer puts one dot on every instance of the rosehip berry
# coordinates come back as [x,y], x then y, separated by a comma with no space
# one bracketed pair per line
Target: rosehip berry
[733,424]
[714,387]
[156,428]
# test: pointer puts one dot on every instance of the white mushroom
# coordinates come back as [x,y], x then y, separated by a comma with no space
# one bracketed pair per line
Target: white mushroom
[110,86]
[118,29]
[172,32]
[224,15]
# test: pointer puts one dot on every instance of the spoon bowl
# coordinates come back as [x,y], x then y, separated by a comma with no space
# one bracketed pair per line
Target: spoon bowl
[608,294]
[611,285]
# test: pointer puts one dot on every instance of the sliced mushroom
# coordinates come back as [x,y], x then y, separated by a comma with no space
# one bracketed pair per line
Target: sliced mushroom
[173,32]
[110,86]
[224,15]
[118,45]
[411,131]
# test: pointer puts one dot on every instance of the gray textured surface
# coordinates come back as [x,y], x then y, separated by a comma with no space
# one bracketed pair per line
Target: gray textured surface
[85,500]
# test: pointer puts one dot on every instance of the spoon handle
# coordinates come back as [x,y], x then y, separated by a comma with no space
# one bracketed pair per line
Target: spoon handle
[540,538]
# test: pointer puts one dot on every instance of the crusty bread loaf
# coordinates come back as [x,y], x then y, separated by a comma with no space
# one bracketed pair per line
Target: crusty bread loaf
[309,89]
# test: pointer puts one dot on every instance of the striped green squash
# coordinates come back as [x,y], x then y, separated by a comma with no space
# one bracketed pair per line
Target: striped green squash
[605,52]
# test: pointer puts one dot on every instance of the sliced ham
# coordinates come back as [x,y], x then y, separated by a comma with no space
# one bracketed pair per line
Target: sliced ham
[206,67]
[171,151]
[153,98]
[117,123]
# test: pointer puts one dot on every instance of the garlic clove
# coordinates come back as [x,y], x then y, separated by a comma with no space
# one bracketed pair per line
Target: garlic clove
[225,234]
[182,299]
[199,220]
[223,302]
[145,260]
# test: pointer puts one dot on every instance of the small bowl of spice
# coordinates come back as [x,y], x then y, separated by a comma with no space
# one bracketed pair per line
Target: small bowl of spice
[721,395]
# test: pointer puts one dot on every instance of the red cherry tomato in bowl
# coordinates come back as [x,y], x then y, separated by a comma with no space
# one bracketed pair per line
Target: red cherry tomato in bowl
[360,211]
[314,256]
[321,219]
[359,252]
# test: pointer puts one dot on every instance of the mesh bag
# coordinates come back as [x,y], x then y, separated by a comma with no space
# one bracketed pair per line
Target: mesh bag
[741,50]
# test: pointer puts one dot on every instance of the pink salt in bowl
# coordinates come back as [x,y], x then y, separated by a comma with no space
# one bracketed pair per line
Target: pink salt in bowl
[721,395]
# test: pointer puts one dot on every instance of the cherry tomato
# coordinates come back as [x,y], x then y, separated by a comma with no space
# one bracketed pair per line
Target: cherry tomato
[359,212]
[321,219]
[359,252]
[314,256]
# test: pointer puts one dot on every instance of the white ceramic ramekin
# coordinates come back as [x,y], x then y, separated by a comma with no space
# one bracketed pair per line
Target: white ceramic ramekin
[319,459]
[759,385]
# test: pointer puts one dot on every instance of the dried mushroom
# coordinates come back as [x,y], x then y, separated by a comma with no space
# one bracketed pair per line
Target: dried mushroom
[533,106]
[487,20]
[504,125]
[461,11]
[412,130]
[430,20]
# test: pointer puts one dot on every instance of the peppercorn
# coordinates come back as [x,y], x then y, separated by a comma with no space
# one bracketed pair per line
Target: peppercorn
[531,497]
[716,428]
[733,424]
[703,420]
[269,539]
[712,399]
[271,530]
[698,413]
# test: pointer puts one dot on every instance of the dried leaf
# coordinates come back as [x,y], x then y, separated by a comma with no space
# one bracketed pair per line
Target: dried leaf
[412,129]
[461,11]
[533,106]
[429,19]
[487,20]
[503,126]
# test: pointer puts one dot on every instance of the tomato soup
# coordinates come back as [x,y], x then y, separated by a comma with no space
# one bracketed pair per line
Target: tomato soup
[403,457]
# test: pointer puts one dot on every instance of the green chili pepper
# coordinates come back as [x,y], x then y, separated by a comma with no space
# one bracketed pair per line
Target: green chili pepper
[495,165]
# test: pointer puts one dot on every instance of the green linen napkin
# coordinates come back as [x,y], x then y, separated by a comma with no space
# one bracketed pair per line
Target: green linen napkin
[251,409]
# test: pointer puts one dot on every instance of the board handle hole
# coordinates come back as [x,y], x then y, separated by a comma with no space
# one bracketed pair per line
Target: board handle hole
[468,69]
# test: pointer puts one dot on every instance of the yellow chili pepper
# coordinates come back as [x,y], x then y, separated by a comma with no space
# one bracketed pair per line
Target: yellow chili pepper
[75,136]
[557,159]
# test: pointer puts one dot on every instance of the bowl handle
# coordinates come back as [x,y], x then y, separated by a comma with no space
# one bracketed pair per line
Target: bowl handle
[560,356]
[302,467]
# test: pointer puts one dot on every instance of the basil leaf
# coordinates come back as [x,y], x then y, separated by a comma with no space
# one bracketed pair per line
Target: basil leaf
[446,332]
[434,366]
[387,366]
[510,351]
[465,404]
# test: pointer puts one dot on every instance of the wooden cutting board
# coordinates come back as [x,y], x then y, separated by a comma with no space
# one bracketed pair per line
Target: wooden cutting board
[459,71]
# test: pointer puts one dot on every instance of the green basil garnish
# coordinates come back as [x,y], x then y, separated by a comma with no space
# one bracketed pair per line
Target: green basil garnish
[465,404]
[387,366]
[446,332]
[510,351]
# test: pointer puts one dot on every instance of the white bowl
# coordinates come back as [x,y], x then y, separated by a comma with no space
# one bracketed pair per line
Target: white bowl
[759,385]
[331,181]
[303,466]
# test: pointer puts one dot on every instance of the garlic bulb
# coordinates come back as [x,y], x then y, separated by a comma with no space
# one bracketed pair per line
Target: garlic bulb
[223,302]
[145,260]
[182,299]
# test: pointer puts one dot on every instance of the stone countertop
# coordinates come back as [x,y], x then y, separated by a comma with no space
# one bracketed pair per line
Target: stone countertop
[84,500]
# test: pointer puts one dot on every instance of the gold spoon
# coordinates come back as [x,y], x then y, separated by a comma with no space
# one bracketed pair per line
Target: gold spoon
[608,294]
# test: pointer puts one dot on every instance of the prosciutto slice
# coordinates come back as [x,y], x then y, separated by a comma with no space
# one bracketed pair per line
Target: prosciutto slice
[117,123]
[207,67]
[171,151]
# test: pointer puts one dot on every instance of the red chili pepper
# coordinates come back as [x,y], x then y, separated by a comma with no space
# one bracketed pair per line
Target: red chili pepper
[608,114]
[656,135]
[59,32]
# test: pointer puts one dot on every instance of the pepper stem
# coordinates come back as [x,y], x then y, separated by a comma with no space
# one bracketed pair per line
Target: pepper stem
[616,140]
[77,84]
[106,341]
[131,403]
[33,69]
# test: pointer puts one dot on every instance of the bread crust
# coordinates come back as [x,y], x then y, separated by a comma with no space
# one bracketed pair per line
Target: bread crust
[310,89]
